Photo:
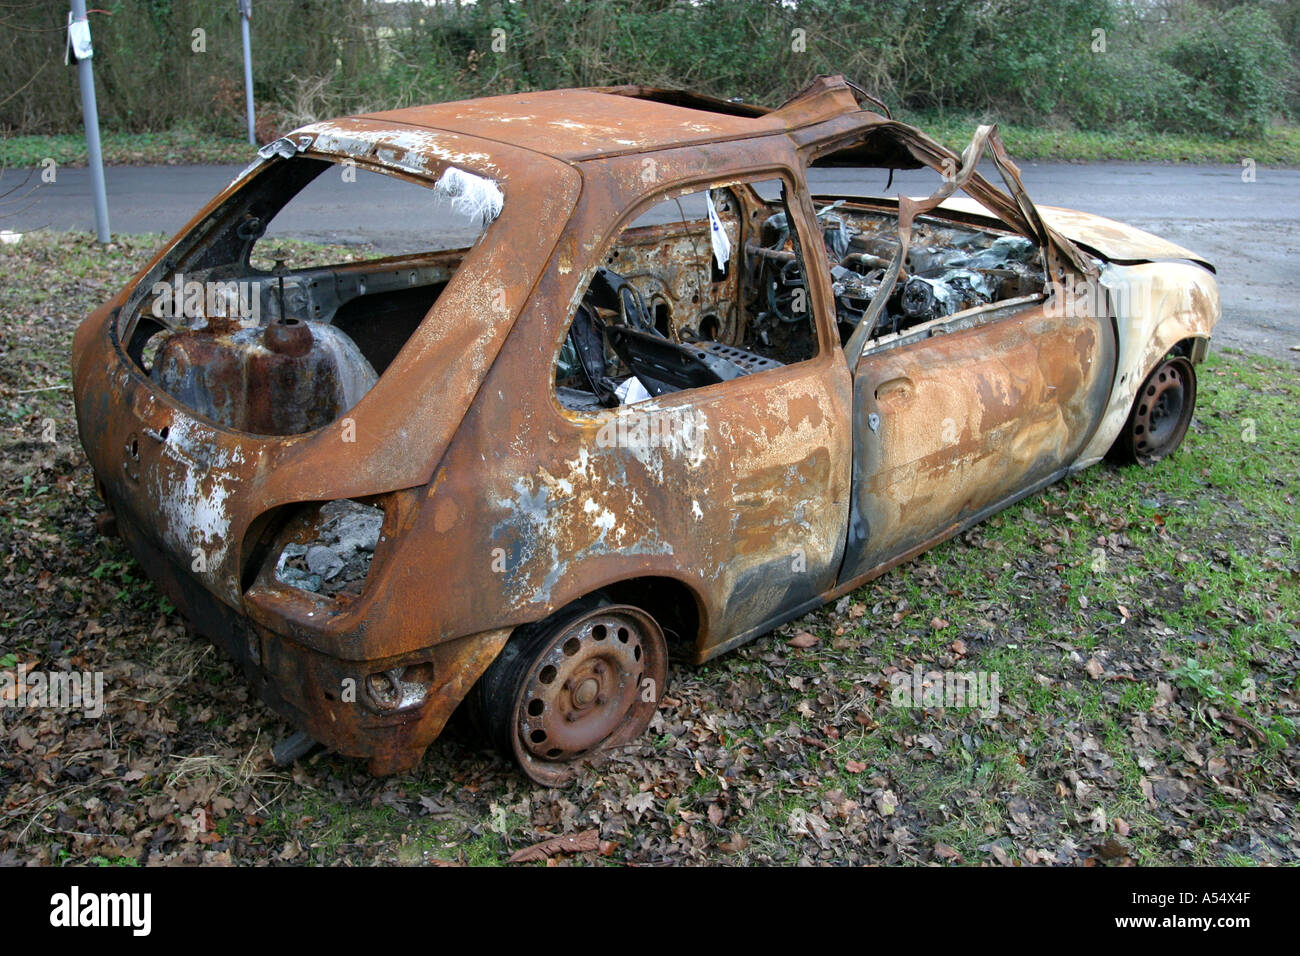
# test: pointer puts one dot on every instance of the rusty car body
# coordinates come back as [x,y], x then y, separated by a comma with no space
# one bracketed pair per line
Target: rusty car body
[857,380]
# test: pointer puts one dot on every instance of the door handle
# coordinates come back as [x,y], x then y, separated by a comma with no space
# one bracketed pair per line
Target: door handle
[901,386]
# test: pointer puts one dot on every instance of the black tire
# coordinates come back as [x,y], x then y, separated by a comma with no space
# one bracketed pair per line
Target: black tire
[562,691]
[1161,413]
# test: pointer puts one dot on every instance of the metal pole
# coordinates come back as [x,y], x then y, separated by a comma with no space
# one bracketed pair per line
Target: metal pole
[90,116]
[246,14]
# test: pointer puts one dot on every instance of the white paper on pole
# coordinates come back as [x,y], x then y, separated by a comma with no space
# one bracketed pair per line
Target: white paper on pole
[721,244]
[79,38]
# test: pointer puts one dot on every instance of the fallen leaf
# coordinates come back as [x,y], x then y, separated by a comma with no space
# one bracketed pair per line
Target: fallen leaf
[584,842]
[1112,849]
[1169,790]
[804,639]
[639,803]
[944,852]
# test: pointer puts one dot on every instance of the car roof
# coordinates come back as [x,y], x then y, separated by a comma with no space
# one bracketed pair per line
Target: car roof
[581,124]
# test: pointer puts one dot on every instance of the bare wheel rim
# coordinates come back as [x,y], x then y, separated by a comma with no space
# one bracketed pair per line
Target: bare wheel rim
[1163,409]
[593,686]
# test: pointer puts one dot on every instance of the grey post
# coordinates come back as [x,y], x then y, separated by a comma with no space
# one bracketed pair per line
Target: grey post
[90,115]
[246,14]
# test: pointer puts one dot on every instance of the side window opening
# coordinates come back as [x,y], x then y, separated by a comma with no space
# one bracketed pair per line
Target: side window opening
[702,288]
[950,268]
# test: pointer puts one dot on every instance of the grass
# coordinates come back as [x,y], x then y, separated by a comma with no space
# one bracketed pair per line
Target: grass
[167,148]
[1175,583]
[1219,518]
[325,831]
[1280,146]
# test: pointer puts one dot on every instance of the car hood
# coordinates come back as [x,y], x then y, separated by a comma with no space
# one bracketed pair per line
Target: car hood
[1111,240]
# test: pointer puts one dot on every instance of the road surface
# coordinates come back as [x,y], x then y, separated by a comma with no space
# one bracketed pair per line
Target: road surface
[1249,230]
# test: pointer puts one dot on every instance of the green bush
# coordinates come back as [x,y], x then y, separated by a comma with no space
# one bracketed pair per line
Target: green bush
[1219,66]
[1234,70]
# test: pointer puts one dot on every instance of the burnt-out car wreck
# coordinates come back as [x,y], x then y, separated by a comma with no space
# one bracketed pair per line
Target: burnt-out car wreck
[644,389]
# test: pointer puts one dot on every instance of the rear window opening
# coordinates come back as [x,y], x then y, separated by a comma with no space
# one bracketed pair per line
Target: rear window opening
[261,324]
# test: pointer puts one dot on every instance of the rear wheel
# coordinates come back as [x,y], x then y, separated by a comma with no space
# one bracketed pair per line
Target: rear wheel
[583,681]
[1162,411]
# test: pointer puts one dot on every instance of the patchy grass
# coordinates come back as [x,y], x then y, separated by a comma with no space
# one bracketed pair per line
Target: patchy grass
[1280,146]
[1142,624]
[169,148]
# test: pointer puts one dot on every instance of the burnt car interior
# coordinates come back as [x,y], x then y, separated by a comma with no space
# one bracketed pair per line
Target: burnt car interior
[958,270]
[689,296]
[294,345]
[949,268]
[665,312]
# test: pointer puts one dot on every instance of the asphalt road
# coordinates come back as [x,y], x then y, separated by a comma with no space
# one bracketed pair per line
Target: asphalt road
[1249,230]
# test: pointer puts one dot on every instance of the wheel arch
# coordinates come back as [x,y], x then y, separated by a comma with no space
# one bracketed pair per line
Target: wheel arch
[674,605]
[1158,308]
[677,608]
[529,702]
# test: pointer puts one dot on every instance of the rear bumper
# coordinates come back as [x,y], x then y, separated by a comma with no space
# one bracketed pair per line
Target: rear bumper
[182,490]
[325,696]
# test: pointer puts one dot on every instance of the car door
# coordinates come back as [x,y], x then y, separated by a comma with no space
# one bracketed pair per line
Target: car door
[740,487]
[958,423]
[963,415]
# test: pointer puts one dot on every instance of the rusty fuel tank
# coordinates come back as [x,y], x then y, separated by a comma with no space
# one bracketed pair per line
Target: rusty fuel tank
[285,378]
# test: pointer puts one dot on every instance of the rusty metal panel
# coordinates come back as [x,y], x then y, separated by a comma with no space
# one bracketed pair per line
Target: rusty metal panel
[965,421]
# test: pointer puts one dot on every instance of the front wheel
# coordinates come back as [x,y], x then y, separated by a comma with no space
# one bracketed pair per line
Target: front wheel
[1162,411]
[581,682]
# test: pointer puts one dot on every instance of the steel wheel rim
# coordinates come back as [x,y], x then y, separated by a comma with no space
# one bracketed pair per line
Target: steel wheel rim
[595,685]
[1163,409]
